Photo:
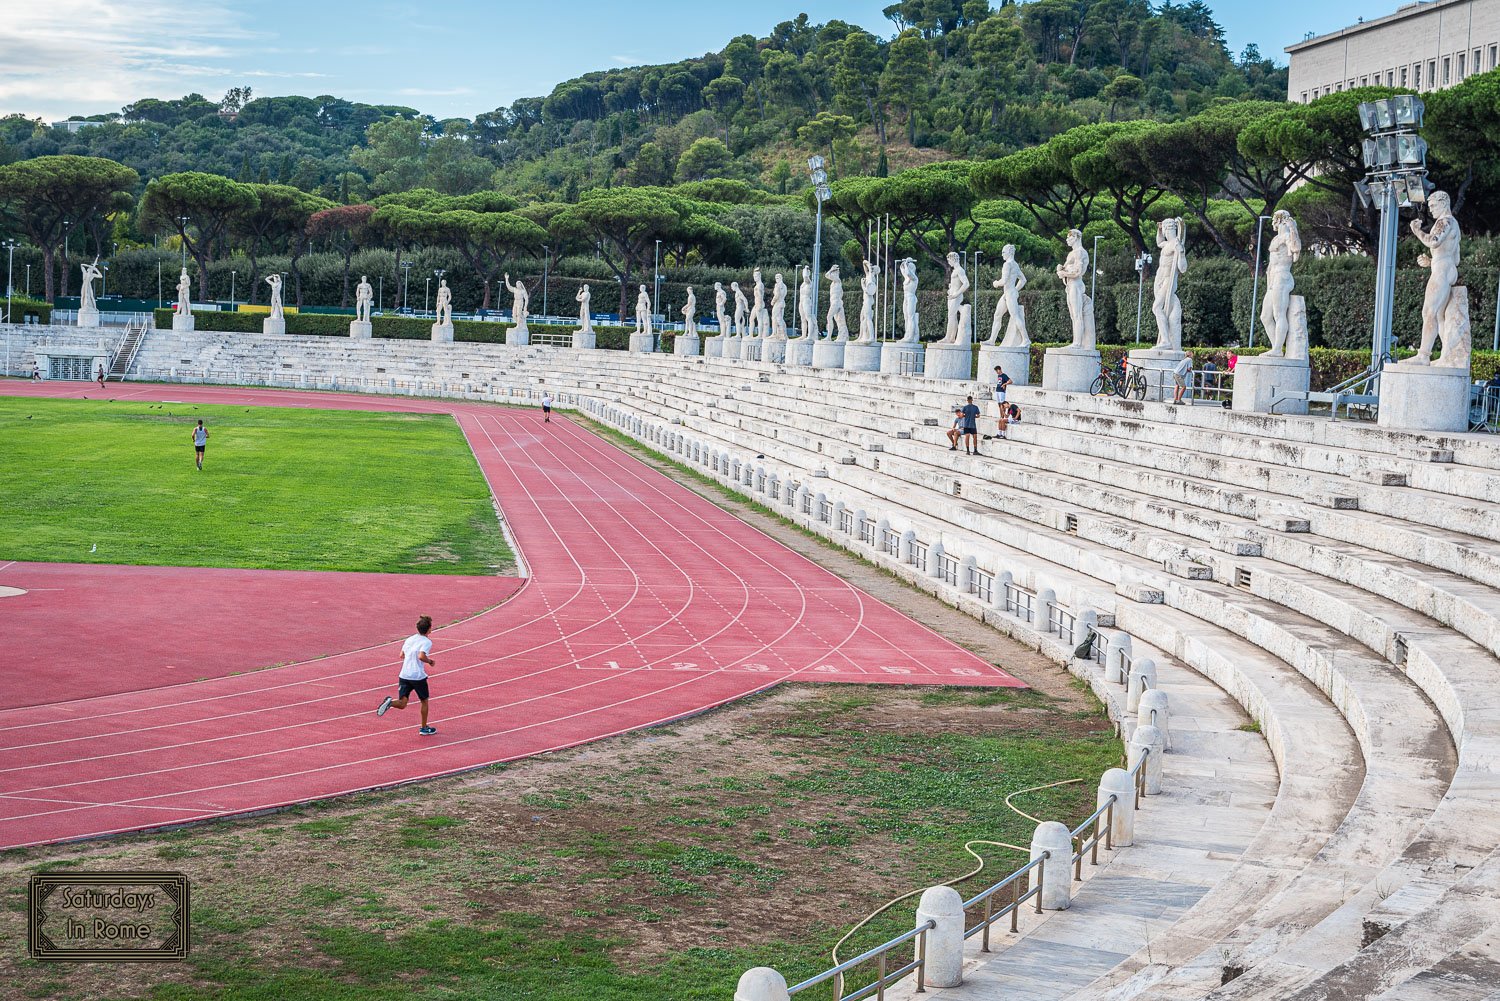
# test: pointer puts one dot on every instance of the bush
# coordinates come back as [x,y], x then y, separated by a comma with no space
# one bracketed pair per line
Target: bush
[23,310]
[390,327]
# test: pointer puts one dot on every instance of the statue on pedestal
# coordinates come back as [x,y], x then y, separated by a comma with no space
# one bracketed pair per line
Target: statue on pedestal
[720,299]
[1276,311]
[758,308]
[869,286]
[87,302]
[909,301]
[807,319]
[956,330]
[1080,307]
[643,312]
[364,299]
[184,294]
[275,282]
[1171,262]
[837,324]
[519,303]
[741,310]
[444,304]
[585,319]
[689,315]
[778,309]
[1441,241]
[1010,283]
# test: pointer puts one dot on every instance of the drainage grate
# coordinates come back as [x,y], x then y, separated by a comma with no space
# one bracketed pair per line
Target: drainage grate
[1241,577]
[958,489]
[1070,524]
[877,465]
[1399,653]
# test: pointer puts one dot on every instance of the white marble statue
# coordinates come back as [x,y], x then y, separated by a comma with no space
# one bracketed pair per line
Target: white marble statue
[807,312]
[869,286]
[1296,336]
[87,301]
[1458,343]
[1171,264]
[1441,241]
[275,282]
[690,315]
[364,299]
[721,299]
[956,329]
[444,303]
[643,312]
[778,308]
[741,310]
[758,317]
[1072,271]
[1010,283]
[520,301]
[909,301]
[184,294]
[585,316]
[836,323]
[1276,310]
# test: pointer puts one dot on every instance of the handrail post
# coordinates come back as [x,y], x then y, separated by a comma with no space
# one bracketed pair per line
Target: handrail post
[922,963]
[989,902]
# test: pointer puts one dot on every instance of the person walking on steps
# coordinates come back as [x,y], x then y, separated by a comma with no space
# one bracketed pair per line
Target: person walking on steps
[1180,374]
[415,660]
[1002,383]
[200,442]
[970,414]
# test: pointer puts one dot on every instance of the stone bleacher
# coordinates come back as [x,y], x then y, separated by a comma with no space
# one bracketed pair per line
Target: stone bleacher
[1337,580]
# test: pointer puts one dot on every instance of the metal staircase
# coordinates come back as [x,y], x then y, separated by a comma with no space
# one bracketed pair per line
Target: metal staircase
[130,343]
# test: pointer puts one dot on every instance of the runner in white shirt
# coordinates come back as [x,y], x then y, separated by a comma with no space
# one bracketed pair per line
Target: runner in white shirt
[413,677]
[546,408]
[200,442]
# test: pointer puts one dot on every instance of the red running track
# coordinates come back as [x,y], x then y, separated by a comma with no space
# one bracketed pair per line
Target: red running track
[646,603]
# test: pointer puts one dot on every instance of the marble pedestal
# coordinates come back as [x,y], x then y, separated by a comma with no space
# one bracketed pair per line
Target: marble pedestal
[901,358]
[1257,379]
[949,361]
[733,347]
[361,330]
[713,347]
[1423,397]
[643,344]
[773,349]
[750,348]
[1156,365]
[800,351]
[1070,369]
[829,353]
[585,339]
[862,356]
[689,347]
[442,333]
[1015,361]
[182,322]
[273,325]
[88,317]
[518,336]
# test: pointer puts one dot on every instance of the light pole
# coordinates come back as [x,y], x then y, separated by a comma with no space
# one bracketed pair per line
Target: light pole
[439,273]
[1255,280]
[182,222]
[103,280]
[1142,262]
[1395,159]
[656,287]
[1094,269]
[426,296]
[380,293]
[546,271]
[406,285]
[819,178]
[974,294]
[10,285]
[28,281]
[232,307]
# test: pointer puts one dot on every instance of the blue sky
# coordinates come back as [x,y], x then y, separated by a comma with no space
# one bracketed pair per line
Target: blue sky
[66,57]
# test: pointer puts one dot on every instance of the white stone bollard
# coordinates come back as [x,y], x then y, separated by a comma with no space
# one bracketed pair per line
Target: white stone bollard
[1117,783]
[761,984]
[1115,650]
[1152,711]
[935,560]
[1148,739]
[907,538]
[944,906]
[1057,871]
[1046,598]
[1142,678]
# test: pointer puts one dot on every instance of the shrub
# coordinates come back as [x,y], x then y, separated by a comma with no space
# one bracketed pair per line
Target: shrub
[23,309]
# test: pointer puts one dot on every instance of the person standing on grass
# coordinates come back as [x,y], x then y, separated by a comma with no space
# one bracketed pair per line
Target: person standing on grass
[200,442]
[970,414]
[546,408]
[415,660]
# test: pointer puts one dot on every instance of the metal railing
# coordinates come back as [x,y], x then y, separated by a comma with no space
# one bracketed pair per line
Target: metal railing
[846,522]
[1020,602]
[886,975]
[1062,622]
[984,585]
[867,532]
[1484,409]
[1212,385]
[1138,773]
[892,542]
[948,569]
[1101,832]
[919,554]
[547,339]
[1012,908]
[825,511]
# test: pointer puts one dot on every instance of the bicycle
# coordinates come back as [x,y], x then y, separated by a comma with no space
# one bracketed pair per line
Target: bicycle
[1128,385]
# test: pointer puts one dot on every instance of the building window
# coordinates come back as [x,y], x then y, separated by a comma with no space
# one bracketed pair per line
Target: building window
[1390,77]
[1474,67]
[1494,55]
[1432,72]
[1304,97]
[1416,77]
[1447,68]
[1364,81]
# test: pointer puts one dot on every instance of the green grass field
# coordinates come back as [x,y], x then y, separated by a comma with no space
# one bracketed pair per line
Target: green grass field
[286,489]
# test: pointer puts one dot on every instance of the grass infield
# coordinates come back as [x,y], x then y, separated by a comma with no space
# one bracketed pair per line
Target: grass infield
[283,489]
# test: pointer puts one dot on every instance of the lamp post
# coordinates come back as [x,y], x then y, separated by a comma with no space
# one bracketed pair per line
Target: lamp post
[1395,160]
[439,273]
[10,287]
[1142,262]
[232,307]
[821,191]
[656,288]
[546,272]
[379,293]
[103,280]
[182,222]
[1255,281]
[426,296]
[28,281]
[974,294]
[406,285]
[1094,269]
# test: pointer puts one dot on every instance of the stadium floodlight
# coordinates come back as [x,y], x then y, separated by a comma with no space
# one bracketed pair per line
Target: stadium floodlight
[1385,152]
[1367,118]
[1417,188]
[815,163]
[1368,147]
[1411,151]
[1407,110]
[1385,115]
[824,192]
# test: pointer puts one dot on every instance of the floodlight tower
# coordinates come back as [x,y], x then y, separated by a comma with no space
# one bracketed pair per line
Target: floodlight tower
[819,178]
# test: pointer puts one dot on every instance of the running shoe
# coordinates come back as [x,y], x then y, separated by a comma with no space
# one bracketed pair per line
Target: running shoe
[385,704]
[427,731]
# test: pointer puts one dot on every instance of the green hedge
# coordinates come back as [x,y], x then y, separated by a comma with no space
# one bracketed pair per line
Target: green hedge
[24,309]
[391,327]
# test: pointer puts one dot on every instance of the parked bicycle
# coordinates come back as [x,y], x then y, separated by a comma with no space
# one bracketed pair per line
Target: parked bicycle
[1127,383]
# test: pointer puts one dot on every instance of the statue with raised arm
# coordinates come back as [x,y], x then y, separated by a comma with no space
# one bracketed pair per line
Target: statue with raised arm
[1276,311]
[364,299]
[1171,263]
[585,317]
[1441,240]
[444,303]
[1072,272]
[836,323]
[956,331]
[87,302]
[721,299]
[778,309]
[274,281]
[741,310]
[643,312]
[690,314]
[184,294]
[758,308]
[807,311]
[909,301]
[1010,283]
[869,286]
[521,299]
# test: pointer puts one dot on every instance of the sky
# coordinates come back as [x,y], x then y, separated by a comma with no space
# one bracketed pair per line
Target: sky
[457,59]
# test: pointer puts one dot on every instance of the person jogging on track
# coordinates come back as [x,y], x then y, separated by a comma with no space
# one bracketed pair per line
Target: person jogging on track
[415,660]
[546,408]
[200,442]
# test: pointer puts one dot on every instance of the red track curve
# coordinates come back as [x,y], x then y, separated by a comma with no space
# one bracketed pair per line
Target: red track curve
[647,603]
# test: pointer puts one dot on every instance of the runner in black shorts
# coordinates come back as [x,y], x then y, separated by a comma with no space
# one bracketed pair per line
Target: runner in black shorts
[413,677]
[200,442]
